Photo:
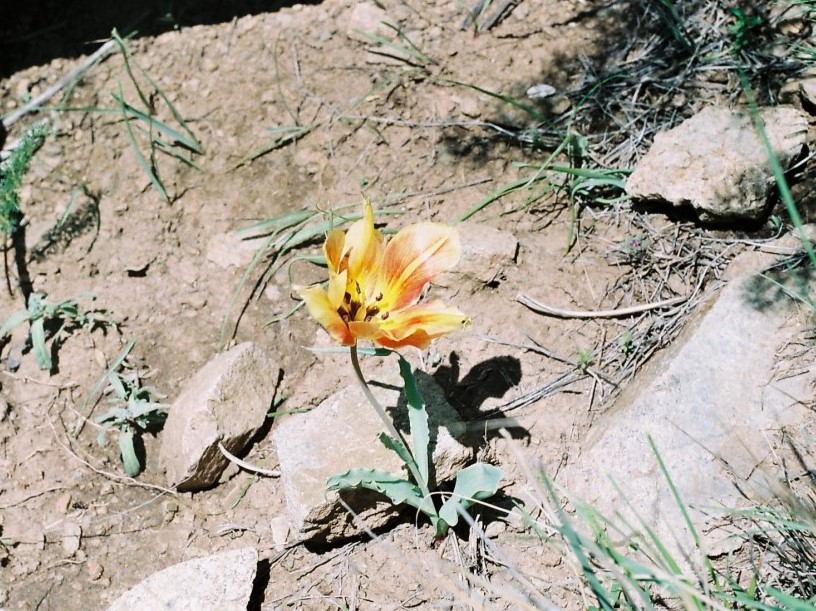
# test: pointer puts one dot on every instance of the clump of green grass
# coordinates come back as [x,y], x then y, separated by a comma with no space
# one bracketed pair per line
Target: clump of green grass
[177,142]
[53,321]
[628,566]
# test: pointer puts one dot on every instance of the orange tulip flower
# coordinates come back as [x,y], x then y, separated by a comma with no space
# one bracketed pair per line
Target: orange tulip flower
[375,285]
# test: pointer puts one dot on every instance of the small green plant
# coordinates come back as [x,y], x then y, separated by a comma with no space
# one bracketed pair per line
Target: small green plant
[11,178]
[132,412]
[55,321]
[626,343]
[743,29]
[635,249]
[584,360]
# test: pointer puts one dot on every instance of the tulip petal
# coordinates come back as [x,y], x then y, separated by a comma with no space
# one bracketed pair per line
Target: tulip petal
[364,247]
[413,258]
[434,317]
[415,326]
[337,289]
[333,249]
[319,306]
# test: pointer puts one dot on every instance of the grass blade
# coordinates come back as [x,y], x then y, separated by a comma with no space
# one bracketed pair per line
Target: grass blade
[140,158]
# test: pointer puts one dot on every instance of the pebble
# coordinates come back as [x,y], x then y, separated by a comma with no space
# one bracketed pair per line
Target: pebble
[72,539]
[95,569]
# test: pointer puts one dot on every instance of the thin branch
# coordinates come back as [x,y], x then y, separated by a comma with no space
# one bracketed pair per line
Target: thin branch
[100,54]
[245,465]
[547,310]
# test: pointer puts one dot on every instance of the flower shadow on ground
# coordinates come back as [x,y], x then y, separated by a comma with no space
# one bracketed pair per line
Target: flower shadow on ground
[491,378]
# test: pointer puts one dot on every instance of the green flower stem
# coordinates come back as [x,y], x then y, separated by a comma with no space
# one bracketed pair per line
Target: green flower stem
[389,425]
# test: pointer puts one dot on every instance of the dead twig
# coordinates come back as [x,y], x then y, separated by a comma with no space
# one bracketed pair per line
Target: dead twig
[245,465]
[97,56]
[547,310]
[503,10]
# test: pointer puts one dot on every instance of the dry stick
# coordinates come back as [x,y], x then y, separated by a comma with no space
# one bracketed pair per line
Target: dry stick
[551,311]
[389,425]
[504,9]
[245,465]
[100,54]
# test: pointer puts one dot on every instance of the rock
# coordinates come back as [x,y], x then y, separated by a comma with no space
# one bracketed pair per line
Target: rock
[227,402]
[72,538]
[232,250]
[341,434]
[366,18]
[95,569]
[708,403]
[807,88]
[716,163]
[219,582]
[468,105]
[486,253]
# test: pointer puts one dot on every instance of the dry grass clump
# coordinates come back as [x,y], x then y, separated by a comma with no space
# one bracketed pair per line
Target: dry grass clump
[677,57]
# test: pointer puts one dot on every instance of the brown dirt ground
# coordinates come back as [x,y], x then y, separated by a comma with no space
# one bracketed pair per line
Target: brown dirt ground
[162,270]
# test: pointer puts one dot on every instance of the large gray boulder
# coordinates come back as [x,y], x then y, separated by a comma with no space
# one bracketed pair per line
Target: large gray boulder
[225,402]
[712,404]
[716,163]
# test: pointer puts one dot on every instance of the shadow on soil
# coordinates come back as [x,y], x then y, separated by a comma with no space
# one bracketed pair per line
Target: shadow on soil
[641,76]
[789,281]
[36,32]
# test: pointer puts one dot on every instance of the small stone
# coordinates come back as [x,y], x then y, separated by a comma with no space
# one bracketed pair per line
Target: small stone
[72,538]
[99,359]
[807,88]
[95,570]
[170,509]
[280,531]
[494,529]
[218,581]
[468,105]
[226,402]
[366,18]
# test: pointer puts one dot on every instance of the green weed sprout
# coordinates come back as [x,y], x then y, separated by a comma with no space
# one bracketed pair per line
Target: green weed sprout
[11,177]
[55,321]
[373,294]
[743,28]
[132,411]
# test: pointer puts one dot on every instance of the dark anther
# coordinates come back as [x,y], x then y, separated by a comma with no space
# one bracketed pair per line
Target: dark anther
[347,297]
[385,316]
[378,297]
